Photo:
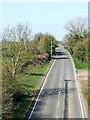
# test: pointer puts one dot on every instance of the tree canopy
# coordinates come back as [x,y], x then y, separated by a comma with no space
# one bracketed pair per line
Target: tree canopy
[20,49]
[76,39]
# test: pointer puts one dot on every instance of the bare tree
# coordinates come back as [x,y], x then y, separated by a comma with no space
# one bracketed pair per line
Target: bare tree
[77,33]
[18,39]
[77,26]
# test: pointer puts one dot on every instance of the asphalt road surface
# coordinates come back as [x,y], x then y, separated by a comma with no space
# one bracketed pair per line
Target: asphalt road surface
[59,97]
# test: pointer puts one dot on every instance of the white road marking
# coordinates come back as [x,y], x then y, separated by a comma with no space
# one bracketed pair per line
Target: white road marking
[62,70]
[58,103]
[41,90]
[57,116]
[59,92]
[61,74]
[60,84]
[77,86]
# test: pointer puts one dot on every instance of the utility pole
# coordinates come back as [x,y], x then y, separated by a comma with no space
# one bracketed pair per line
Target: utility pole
[51,48]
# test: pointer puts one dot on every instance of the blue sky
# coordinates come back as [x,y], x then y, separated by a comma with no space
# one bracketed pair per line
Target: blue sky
[43,16]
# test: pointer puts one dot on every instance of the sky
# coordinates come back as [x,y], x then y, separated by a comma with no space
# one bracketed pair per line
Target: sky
[42,17]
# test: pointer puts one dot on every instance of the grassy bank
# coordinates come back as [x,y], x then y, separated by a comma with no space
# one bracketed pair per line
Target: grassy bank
[78,64]
[30,78]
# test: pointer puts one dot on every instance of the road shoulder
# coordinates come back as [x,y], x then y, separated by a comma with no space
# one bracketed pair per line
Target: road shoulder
[82,80]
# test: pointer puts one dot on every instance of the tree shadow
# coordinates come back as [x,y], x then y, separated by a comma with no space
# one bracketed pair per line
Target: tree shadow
[20,106]
[37,74]
[66,99]
[58,58]
[52,93]
[60,53]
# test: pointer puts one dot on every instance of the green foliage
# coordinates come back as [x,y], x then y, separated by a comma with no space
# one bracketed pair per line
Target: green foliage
[78,64]
[29,79]
[43,42]
[41,46]
[49,38]
[19,51]
[76,39]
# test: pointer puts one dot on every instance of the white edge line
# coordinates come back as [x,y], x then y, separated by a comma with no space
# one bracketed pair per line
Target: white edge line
[77,85]
[41,89]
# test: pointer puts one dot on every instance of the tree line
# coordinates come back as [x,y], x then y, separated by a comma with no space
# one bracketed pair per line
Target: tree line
[76,40]
[19,49]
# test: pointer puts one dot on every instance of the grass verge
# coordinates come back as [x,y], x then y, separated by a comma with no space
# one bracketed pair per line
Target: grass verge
[29,79]
[78,64]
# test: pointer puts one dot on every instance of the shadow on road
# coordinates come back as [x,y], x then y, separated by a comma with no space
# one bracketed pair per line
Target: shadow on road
[66,99]
[50,93]
[60,53]
[58,58]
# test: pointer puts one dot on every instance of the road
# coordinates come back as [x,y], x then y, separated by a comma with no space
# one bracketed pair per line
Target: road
[59,96]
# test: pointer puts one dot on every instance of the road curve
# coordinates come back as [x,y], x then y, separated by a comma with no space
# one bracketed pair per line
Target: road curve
[59,97]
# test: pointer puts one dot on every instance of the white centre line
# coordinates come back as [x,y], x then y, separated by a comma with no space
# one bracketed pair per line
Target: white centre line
[58,103]
[60,78]
[61,69]
[57,116]
[77,86]
[61,74]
